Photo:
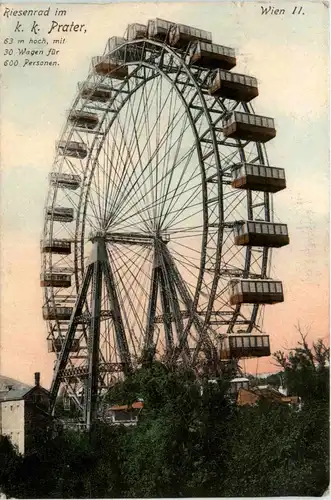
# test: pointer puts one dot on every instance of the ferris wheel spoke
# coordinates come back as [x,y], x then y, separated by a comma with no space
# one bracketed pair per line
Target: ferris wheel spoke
[125,269]
[232,206]
[126,301]
[110,162]
[168,140]
[175,196]
[174,165]
[111,214]
[187,232]
[75,204]
[156,149]
[190,248]
[147,100]
[148,138]
[113,162]
[164,197]
[128,122]
[141,212]
[227,159]
[178,212]
[125,259]
[148,164]
[185,262]
[115,154]
[144,114]
[120,190]
[126,295]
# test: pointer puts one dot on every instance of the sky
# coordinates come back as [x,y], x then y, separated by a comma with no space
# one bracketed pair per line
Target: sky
[288,55]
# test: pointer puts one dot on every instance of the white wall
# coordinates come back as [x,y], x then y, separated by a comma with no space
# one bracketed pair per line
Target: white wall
[12,422]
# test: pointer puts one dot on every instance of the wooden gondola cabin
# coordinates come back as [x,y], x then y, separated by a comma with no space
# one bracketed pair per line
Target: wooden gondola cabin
[234,86]
[159,29]
[121,51]
[83,119]
[67,181]
[62,247]
[59,280]
[109,66]
[72,148]
[261,234]
[250,291]
[212,56]
[258,178]
[249,127]
[61,214]
[245,346]
[181,35]
[98,93]
[55,345]
[137,31]
[61,313]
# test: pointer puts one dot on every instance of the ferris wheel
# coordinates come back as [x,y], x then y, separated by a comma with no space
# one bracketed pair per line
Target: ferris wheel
[158,221]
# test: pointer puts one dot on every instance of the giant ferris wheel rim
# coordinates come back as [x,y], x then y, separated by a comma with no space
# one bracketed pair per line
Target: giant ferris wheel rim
[79,237]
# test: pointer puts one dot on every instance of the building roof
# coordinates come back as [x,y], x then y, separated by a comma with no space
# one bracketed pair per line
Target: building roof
[250,396]
[14,394]
[240,379]
[16,384]
[135,406]
[18,394]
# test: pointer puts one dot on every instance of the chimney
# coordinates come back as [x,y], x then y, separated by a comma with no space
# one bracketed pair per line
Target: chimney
[37,378]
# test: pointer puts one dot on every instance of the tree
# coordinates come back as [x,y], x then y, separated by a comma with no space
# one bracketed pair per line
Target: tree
[190,441]
[10,462]
[182,426]
[306,370]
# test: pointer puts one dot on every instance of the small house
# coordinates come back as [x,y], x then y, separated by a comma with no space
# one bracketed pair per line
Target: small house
[24,416]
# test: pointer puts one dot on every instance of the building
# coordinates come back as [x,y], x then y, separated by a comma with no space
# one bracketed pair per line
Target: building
[124,414]
[251,396]
[24,416]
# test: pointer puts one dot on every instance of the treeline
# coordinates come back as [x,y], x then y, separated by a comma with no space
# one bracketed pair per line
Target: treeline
[190,443]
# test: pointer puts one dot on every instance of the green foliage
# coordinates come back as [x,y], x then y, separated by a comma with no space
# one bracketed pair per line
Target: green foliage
[306,370]
[277,450]
[176,434]
[191,441]
[274,380]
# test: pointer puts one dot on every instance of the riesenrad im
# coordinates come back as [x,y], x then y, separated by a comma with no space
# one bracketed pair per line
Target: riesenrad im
[158,221]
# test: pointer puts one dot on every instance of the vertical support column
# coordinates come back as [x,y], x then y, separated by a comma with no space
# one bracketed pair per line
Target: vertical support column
[91,399]
[64,355]
[165,294]
[152,303]
[121,340]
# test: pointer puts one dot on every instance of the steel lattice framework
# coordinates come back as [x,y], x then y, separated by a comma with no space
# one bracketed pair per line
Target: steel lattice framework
[143,207]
